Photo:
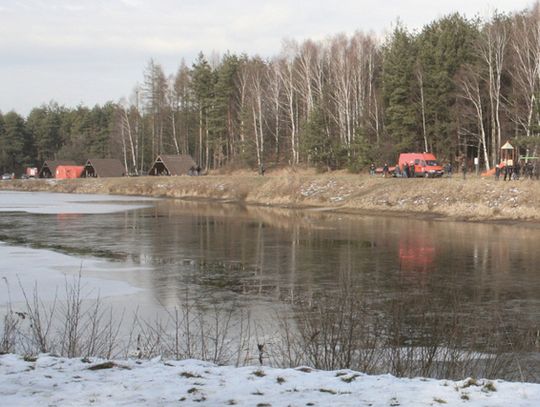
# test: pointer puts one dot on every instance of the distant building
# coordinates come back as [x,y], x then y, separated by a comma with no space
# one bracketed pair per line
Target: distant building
[68,171]
[32,172]
[48,170]
[174,165]
[103,168]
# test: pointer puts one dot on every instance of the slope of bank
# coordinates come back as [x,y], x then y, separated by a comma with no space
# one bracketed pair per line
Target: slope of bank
[476,199]
[49,380]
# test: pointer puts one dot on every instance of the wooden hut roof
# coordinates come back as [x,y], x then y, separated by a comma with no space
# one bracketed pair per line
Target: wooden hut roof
[106,167]
[52,164]
[176,164]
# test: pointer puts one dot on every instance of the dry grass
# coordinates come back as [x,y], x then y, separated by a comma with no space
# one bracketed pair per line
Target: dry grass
[473,199]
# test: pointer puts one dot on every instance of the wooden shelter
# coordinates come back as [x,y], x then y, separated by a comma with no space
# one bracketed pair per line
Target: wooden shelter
[103,168]
[48,170]
[174,165]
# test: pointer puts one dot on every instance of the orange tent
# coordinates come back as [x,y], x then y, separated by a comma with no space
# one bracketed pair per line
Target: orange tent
[68,171]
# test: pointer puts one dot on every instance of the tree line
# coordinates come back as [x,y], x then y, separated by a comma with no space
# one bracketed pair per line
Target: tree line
[458,87]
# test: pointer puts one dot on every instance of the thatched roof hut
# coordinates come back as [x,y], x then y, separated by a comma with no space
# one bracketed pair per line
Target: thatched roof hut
[48,169]
[174,165]
[103,168]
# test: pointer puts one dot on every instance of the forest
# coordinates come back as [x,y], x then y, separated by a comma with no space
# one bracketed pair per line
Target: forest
[458,87]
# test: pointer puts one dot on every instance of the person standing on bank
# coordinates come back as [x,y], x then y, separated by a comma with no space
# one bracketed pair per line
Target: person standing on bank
[385,170]
[509,169]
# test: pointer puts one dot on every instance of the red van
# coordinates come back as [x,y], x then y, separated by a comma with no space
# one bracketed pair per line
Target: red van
[425,164]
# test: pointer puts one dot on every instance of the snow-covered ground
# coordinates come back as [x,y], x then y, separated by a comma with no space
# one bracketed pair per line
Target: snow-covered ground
[52,381]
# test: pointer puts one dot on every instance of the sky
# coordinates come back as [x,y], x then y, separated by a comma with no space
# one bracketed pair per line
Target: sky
[93,51]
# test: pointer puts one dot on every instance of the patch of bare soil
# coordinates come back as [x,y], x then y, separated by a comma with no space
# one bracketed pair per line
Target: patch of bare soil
[473,199]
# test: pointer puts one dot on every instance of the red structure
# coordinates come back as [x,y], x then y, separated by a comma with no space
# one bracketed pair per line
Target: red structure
[68,171]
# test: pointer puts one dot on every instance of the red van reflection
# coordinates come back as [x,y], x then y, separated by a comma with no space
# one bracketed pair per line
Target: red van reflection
[416,255]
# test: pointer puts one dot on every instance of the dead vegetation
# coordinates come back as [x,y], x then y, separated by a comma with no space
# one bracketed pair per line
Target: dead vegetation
[408,336]
[477,199]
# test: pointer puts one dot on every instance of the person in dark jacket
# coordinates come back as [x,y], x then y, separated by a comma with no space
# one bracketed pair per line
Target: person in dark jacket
[508,171]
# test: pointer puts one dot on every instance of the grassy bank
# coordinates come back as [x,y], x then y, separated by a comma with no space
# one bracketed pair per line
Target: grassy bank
[474,199]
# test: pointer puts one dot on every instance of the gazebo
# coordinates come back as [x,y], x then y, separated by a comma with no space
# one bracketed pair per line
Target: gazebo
[507,154]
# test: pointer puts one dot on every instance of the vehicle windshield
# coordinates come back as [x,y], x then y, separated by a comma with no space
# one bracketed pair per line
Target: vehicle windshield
[432,163]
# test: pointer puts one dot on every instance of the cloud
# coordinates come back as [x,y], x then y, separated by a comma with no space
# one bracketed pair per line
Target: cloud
[42,41]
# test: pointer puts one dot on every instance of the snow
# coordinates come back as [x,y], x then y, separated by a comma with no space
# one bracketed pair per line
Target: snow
[53,381]
[60,203]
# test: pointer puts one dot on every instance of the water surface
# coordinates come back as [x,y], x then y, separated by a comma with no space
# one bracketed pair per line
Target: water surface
[266,259]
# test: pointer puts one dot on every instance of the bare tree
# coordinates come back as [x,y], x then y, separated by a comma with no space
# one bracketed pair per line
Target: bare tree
[286,74]
[257,83]
[469,83]
[525,44]
[420,77]
[274,98]
[492,48]
[154,92]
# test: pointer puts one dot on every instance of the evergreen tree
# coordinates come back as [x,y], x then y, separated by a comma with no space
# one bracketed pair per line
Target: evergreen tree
[15,144]
[321,151]
[444,47]
[203,90]
[402,122]
[44,125]
[223,117]
[185,116]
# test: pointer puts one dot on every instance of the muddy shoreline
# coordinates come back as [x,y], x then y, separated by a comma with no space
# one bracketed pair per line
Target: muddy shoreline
[472,200]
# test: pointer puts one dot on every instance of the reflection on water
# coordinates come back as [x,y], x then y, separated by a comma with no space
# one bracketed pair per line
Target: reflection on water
[280,253]
[257,256]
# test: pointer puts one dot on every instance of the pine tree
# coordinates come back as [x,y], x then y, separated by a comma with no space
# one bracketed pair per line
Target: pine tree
[15,144]
[402,122]
[203,90]
[444,47]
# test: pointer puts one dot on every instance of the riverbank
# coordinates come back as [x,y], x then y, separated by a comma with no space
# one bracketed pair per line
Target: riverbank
[473,199]
[49,380]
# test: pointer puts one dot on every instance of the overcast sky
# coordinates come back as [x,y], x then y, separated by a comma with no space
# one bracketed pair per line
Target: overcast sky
[92,51]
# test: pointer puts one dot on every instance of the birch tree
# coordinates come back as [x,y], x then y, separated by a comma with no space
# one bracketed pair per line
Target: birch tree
[492,49]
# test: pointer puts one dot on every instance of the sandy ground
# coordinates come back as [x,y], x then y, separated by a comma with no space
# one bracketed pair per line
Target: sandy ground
[472,199]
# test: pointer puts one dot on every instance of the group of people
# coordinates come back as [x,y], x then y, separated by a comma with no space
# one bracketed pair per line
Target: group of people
[515,171]
[509,171]
[408,171]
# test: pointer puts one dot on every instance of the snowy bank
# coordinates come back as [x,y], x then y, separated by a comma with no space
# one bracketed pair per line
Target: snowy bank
[56,381]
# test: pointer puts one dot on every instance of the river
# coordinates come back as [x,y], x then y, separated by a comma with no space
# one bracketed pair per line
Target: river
[148,253]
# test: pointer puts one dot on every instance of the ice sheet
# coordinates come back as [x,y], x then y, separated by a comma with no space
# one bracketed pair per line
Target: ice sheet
[56,203]
[26,268]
